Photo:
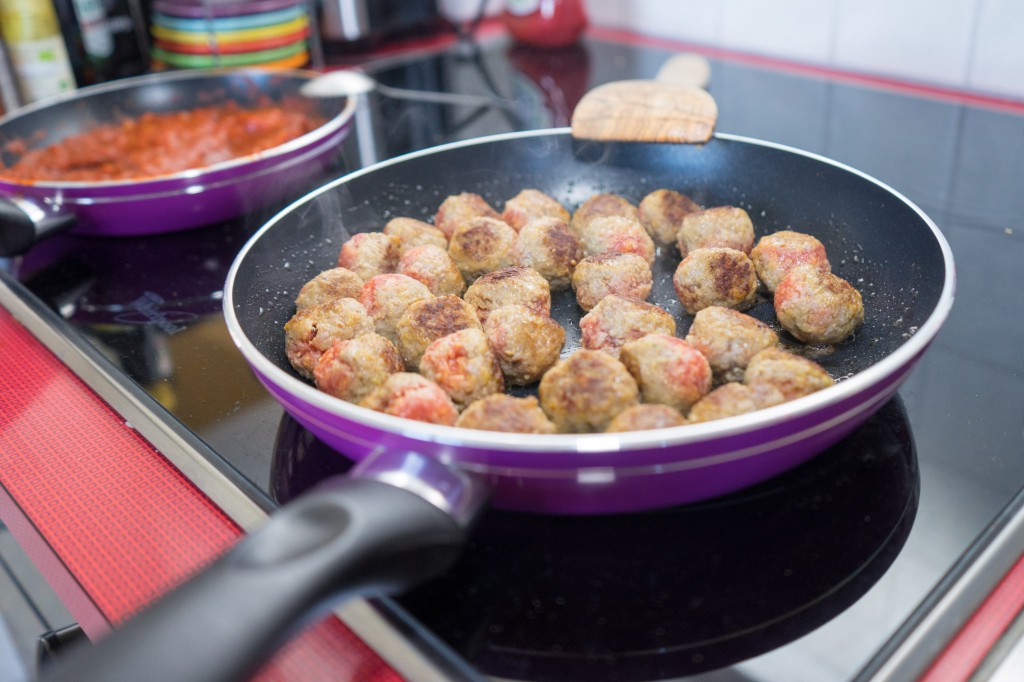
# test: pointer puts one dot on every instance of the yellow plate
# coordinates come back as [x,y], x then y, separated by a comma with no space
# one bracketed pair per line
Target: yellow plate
[225,37]
[294,62]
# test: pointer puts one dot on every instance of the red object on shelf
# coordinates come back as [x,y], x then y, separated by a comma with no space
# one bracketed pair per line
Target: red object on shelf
[547,23]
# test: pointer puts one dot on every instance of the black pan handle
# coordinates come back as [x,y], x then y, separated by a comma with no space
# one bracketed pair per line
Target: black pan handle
[24,222]
[349,536]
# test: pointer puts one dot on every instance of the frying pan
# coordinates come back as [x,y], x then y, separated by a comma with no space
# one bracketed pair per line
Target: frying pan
[198,196]
[415,487]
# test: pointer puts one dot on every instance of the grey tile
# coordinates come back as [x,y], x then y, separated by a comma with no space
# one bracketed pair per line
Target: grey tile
[761,104]
[906,142]
[989,176]
[983,325]
[965,410]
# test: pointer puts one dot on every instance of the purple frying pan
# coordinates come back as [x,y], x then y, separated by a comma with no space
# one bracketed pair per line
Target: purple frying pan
[401,513]
[190,198]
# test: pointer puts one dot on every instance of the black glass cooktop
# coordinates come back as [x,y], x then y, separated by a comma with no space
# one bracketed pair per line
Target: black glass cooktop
[804,577]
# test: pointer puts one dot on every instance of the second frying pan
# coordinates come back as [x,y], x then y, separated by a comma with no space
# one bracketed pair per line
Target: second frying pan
[190,198]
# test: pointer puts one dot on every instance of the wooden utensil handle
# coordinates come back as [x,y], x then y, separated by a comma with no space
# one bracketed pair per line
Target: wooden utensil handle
[645,111]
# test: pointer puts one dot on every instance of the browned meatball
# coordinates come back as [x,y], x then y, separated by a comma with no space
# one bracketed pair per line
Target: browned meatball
[601,206]
[728,339]
[776,376]
[386,298]
[668,370]
[369,253]
[728,400]
[584,392]
[726,226]
[616,321]
[314,329]
[427,320]
[329,284]
[351,369]
[816,306]
[529,205]
[618,234]
[715,276]
[777,253]
[662,212]
[526,343]
[500,412]
[508,286]
[463,364]
[459,209]
[645,417]
[411,233]
[482,245]
[434,267]
[549,247]
[409,395]
[619,274]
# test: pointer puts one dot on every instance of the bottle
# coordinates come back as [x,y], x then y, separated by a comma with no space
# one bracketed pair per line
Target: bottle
[36,48]
[89,40]
[10,97]
[547,23]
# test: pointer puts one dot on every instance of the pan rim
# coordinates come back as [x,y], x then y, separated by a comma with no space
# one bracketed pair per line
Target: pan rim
[151,184]
[597,443]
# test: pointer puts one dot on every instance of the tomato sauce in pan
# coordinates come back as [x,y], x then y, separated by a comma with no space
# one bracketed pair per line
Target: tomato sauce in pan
[156,144]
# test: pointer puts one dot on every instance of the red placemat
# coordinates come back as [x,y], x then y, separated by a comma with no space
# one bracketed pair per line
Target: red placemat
[123,522]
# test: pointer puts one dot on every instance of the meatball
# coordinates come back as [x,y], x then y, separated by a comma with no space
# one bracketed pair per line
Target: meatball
[386,298]
[314,329]
[508,286]
[728,400]
[549,247]
[500,412]
[616,321]
[777,253]
[463,364]
[776,376]
[525,342]
[668,370]
[601,206]
[427,320]
[620,274]
[726,226]
[662,212]
[529,205]
[351,369]
[645,417]
[618,234]
[715,276]
[584,392]
[434,267]
[460,209]
[369,253]
[482,245]
[329,284]
[728,339]
[409,395]
[412,233]
[816,306]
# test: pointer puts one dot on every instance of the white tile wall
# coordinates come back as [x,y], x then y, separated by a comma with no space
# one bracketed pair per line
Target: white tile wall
[918,39]
[971,44]
[997,62]
[798,29]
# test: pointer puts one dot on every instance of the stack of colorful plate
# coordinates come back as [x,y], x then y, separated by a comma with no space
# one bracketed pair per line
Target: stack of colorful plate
[196,34]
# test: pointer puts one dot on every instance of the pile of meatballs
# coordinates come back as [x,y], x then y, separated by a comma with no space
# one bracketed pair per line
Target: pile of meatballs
[436,322]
